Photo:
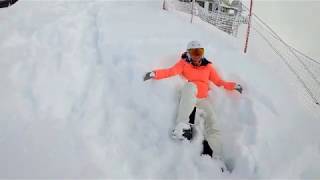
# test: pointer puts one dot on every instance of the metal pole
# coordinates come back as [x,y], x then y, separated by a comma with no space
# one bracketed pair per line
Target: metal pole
[164,6]
[192,10]
[248,30]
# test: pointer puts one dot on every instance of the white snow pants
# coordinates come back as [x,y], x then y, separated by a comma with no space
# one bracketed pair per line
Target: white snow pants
[188,101]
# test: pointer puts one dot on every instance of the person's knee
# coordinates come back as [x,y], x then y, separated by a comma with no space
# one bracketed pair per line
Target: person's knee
[209,116]
[211,132]
[209,125]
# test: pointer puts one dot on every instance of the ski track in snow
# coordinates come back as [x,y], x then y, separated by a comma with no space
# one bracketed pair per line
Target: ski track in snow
[75,104]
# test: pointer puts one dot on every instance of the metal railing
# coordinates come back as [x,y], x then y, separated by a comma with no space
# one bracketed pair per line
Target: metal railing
[304,68]
[228,23]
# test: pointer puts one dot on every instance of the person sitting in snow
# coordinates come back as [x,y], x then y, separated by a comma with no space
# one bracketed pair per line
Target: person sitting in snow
[198,71]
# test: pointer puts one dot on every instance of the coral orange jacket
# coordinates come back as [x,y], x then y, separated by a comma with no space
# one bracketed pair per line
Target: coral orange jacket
[199,75]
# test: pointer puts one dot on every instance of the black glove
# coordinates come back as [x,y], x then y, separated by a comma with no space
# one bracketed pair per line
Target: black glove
[238,88]
[149,75]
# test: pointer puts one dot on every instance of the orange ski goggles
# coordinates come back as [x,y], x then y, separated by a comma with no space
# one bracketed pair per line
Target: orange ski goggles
[196,51]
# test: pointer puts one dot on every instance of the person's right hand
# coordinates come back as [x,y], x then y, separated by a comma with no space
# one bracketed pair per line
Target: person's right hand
[238,88]
[149,75]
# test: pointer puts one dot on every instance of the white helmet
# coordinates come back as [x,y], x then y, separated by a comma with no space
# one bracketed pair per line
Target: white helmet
[194,44]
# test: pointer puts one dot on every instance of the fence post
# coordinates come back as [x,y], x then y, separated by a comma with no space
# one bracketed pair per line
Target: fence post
[192,10]
[248,30]
[164,6]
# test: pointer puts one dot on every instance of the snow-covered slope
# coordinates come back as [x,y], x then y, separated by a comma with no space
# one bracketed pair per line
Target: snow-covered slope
[73,103]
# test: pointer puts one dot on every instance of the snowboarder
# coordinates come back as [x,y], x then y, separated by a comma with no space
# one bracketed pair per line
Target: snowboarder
[197,71]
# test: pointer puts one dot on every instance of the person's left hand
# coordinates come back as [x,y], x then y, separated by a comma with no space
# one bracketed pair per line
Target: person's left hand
[238,88]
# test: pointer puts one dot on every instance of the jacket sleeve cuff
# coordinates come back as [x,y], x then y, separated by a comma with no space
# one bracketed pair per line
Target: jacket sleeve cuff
[229,86]
[160,74]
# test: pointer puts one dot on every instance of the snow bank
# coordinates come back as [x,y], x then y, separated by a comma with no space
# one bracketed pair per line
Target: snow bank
[74,104]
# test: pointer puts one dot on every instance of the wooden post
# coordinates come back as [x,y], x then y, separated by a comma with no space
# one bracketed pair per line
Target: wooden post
[248,30]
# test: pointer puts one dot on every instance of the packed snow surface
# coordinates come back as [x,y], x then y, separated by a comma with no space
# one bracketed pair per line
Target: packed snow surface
[73,103]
